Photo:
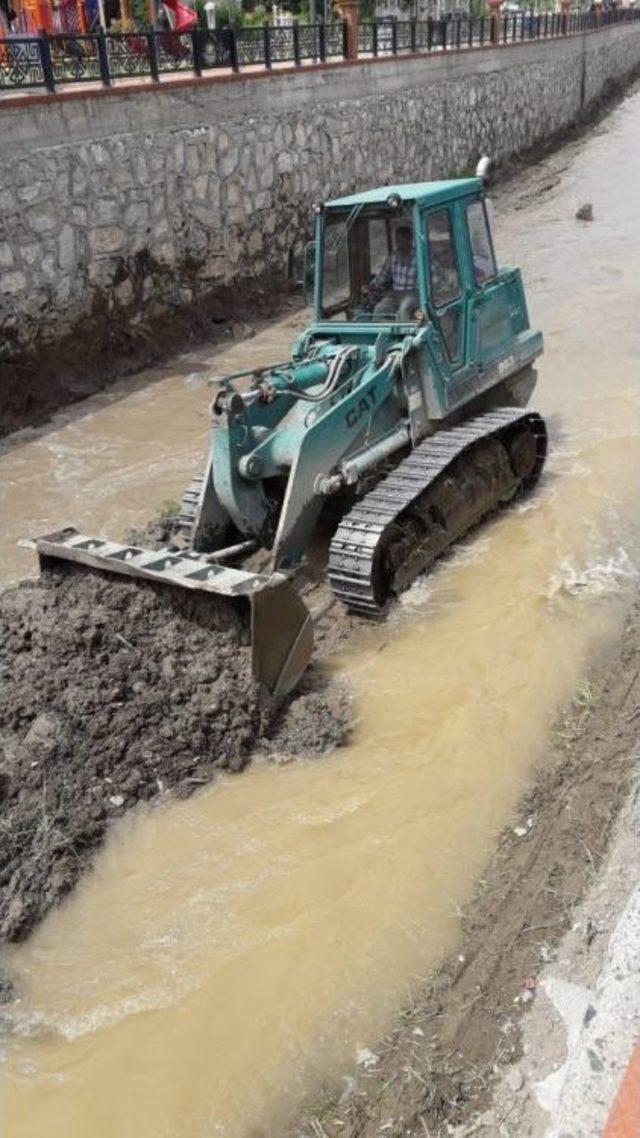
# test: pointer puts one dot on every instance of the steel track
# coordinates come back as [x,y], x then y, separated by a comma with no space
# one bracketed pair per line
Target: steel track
[189,507]
[355,551]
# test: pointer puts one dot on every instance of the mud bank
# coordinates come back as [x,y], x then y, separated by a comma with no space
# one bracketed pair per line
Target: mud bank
[109,347]
[113,693]
[438,1068]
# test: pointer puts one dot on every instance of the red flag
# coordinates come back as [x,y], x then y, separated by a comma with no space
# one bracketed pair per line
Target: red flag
[182,15]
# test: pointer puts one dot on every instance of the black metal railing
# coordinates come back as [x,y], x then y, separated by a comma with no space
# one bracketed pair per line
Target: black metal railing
[394,37]
[49,61]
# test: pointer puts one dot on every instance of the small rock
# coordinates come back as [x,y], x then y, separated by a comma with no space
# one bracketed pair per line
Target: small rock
[595,1062]
[585,212]
[116,799]
[418,1031]
[242,331]
[520,831]
[515,1079]
[589,1015]
[43,735]
[366,1058]
[523,997]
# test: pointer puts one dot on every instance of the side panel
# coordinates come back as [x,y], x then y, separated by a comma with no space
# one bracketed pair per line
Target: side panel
[498,313]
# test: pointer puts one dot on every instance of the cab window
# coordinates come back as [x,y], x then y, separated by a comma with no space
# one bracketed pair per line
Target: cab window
[482,255]
[336,275]
[443,263]
[361,248]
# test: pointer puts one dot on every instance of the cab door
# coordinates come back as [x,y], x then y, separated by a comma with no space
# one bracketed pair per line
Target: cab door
[447,300]
[497,309]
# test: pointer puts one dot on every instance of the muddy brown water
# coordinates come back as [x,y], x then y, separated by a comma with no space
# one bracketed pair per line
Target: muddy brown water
[232,952]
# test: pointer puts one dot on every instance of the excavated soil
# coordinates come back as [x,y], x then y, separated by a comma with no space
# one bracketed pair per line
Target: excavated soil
[437,1069]
[114,692]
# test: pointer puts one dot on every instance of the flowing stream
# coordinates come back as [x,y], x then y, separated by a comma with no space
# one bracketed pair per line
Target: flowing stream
[231,953]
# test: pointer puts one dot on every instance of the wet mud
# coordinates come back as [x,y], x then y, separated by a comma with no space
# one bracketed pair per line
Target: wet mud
[113,692]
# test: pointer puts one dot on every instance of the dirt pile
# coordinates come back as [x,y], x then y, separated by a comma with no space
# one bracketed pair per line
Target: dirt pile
[114,692]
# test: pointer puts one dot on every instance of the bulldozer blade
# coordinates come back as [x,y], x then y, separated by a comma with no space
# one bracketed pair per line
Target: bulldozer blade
[281,625]
[281,637]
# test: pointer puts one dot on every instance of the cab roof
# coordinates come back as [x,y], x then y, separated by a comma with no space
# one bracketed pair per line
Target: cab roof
[424,193]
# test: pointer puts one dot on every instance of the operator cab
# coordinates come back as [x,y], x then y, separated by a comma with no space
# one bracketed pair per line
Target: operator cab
[404,255]
[369,264]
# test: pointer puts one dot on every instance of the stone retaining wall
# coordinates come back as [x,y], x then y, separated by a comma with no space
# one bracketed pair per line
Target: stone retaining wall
[136,203]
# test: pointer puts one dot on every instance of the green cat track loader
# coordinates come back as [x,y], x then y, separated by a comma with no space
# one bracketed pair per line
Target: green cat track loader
[399,414]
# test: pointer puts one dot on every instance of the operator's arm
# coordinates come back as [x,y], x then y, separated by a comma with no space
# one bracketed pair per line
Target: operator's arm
[383,280]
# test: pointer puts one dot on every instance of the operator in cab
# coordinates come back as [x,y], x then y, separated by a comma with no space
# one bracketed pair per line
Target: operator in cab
[394,289]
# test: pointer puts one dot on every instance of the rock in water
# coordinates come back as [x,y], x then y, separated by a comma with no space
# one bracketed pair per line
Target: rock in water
[585,212]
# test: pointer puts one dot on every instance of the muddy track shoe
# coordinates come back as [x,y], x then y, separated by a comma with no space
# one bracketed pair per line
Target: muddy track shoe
[281,626]
[190,508]
[432,498]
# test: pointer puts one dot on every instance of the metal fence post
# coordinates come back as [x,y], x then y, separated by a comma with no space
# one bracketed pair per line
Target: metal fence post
[443,34]
[322,41]
[45,61]
[394,38]
[153,55]
[295,31]
[413,34]
[103,58]
[429,33]
[196,43]
[267,46]
[470,32]
[233,49]
[374,37]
